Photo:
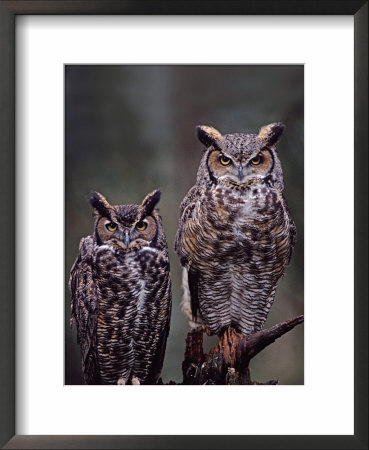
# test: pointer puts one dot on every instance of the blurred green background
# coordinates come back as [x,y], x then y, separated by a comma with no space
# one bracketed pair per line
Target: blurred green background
[131,128]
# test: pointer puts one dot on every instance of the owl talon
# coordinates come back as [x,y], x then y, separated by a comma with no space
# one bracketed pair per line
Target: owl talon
[207,330]
[135,381]
[122,381]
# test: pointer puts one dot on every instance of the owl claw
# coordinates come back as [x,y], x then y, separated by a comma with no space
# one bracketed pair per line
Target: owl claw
[135,380]
[207,330]
[122,381]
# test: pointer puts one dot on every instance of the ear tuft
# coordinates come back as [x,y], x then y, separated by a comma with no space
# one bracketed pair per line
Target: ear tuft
[209,136]
[150,201]
[100,204]
[271,133]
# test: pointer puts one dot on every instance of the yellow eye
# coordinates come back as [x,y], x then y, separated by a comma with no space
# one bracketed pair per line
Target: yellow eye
[111,226]
[257,160]
[224,161]
[141,225]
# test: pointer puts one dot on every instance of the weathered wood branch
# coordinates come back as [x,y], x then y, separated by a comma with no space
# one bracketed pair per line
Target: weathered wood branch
[228,362]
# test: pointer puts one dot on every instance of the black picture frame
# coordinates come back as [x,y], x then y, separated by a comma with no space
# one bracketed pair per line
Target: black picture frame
[8,11]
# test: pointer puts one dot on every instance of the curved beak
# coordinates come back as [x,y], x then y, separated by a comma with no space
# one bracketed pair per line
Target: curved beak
[240,173]
[126,238]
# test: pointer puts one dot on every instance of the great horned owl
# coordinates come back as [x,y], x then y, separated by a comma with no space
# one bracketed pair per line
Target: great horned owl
[121,294]
[235,233]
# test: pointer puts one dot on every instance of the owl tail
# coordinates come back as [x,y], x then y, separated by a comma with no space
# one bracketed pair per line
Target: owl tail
[186,302]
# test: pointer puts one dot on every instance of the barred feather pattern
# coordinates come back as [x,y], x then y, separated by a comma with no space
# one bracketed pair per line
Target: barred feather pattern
[234,240]
[239,253]
[122,311]
[84,309]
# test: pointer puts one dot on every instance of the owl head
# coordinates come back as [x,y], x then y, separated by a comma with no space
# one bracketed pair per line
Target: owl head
[240,160]
[127,228]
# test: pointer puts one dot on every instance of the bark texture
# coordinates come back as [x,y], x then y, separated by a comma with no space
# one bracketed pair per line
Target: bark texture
[228,362]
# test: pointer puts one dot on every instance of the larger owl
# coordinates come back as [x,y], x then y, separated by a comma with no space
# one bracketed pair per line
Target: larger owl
[121,294]
[235,234]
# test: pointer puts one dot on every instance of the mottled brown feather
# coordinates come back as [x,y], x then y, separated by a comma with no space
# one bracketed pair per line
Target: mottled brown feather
[121,295]
[235,234]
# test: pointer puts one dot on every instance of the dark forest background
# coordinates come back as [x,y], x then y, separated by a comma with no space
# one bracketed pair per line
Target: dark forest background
[131,128]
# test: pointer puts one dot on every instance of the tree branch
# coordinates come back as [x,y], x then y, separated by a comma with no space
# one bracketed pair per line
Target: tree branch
[228,362]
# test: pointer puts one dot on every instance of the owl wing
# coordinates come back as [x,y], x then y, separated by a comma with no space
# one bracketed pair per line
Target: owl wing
[292,238]
[292,231]
[185,211]
[158,359]
[190,300]
[193,285]
[84,308]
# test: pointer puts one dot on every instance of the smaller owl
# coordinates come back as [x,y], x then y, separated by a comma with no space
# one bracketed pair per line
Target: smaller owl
[121,294]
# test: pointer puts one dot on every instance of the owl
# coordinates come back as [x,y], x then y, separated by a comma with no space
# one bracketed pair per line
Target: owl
[121,294]
[235,234]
